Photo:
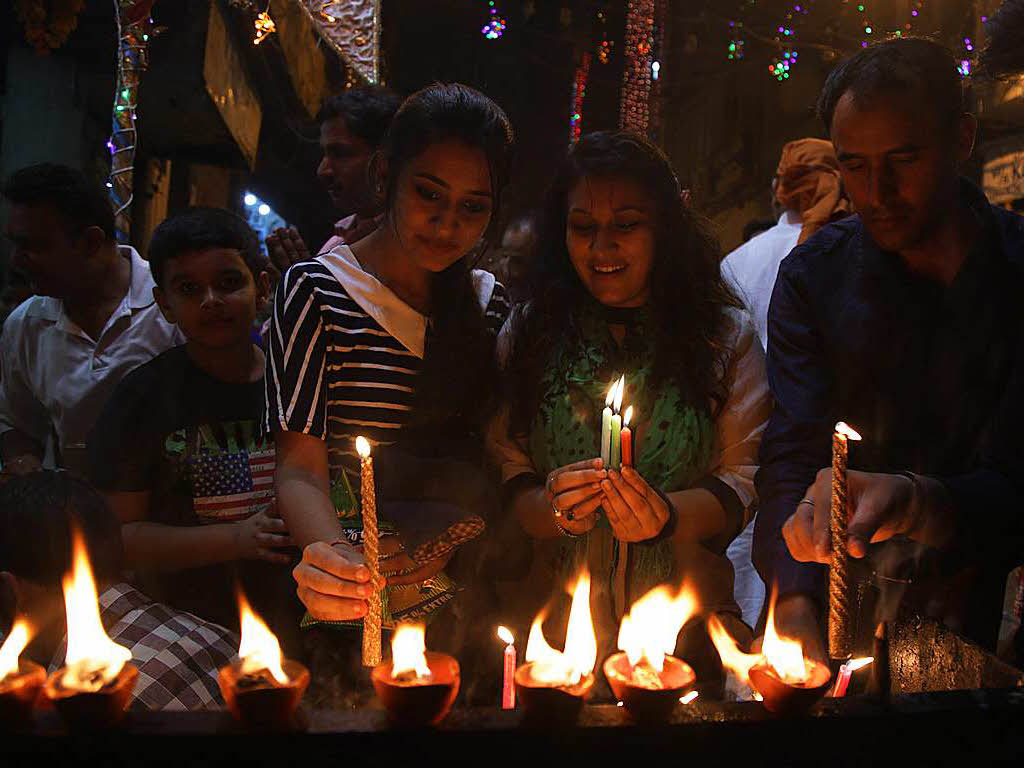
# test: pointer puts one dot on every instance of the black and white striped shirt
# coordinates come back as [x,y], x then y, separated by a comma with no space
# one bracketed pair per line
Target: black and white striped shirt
[334,372]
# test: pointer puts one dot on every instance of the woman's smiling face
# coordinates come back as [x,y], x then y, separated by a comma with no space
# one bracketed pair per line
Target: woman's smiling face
[610,233]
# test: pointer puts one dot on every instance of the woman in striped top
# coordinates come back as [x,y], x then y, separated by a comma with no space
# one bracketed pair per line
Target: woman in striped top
[392,339]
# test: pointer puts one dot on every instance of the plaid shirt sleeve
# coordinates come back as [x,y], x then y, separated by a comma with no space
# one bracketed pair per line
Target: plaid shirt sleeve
[178,654]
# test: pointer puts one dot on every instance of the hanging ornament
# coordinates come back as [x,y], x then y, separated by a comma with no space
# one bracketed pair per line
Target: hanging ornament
[634,110]
[47,24]
[604,48]
[495,26]
[264,26]
[579,92]
[781,64]
[737,45]
[352,29]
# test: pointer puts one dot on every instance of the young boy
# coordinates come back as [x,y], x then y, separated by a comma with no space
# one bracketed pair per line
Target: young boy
[177,654]
[178,452]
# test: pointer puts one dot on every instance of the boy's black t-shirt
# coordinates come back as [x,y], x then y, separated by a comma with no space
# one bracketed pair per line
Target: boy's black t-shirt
[195,443]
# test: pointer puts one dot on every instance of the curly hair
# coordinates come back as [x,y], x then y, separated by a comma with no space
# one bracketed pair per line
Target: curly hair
[687,291]
[460,363]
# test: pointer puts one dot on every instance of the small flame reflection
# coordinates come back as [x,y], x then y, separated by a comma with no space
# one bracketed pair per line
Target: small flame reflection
[15,643]
[92,660]
[258,649]
[409,652]
[556,668]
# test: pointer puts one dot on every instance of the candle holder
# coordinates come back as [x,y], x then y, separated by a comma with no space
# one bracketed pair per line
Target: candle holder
[782,697]
[645,702]
[19,693]
[412,703]
[258,700]
[544,703]
[92,709]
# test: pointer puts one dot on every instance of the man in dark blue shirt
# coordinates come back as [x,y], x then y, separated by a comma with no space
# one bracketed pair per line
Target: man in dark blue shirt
[905,321]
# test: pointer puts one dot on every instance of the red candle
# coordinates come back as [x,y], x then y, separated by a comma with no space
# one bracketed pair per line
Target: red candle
[508,686]
[626,439]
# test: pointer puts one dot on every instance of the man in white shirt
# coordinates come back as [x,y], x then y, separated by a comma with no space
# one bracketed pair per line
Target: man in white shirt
[808,188]
[92,318]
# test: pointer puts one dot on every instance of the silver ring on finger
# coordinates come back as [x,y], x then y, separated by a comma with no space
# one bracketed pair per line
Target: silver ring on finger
[806,501]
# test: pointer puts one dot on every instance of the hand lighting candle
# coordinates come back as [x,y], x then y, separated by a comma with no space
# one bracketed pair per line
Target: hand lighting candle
[371,552]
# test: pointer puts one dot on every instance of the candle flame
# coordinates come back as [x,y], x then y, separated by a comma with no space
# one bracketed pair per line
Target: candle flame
[854,664]
[648,632]
[505,634]
[258,649]
[620,387]
[847,431]
[409,651]
[611,394]
[566,668]
[691,696]
[627,417]
[363,447]
[15,643]
[785,655]
[733,659]
[92,659]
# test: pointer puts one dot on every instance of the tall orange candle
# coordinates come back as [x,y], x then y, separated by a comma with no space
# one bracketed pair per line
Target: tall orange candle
[626,439]
[371,552]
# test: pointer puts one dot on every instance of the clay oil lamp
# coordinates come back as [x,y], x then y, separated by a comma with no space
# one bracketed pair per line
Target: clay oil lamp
[417,687]
[786,680]
[95,685]
[644,676]
[552,685]
[261,689]
[20,681]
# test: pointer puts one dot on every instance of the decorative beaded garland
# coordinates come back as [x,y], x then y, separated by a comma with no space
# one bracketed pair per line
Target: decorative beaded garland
[579,92]
[634,111]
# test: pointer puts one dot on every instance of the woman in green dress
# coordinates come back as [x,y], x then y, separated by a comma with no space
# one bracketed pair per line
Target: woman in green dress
[627,283]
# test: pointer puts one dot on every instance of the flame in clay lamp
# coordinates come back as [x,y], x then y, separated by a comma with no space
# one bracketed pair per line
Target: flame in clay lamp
[648,632]
[409,652]
[733,659]
[846,430]
[92,659]
[362,447]
[259,649]
[784,655]
[620,387]
[505,635]
[15,643]
[551,667]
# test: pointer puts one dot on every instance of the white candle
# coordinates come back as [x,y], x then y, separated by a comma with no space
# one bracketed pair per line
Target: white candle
[606,426]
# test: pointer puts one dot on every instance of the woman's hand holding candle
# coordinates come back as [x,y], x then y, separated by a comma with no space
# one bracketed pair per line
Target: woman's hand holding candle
[333,581]
[574,493]
[635,511]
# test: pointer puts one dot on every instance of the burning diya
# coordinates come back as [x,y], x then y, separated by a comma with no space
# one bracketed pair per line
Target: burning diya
[786,680]
[261,688]
[20,681]
[94,687]
[645,677]
[552,685]
[416,687]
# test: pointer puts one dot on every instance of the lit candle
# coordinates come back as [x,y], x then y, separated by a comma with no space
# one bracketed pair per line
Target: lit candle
[508,685]
[840,611]
[626,439]
[614,460]
[606,426]
[846,672]
[371,552]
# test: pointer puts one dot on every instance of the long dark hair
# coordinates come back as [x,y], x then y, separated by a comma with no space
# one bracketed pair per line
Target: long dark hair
[459,363]
[687,292]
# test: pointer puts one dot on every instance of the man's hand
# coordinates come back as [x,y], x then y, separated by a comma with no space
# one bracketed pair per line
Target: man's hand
[880,506]
[259,536]
[286,247]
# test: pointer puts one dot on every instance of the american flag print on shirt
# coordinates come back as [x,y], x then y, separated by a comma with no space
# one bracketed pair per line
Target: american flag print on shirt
[232,486]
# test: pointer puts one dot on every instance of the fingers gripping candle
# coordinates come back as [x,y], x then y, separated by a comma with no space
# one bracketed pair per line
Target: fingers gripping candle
[371,552]
[840,590]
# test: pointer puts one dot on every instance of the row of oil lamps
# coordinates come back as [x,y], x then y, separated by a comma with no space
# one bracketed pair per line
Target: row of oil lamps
[416,687]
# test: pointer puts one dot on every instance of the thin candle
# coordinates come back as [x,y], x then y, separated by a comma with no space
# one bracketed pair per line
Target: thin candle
[626,438]
[371,553]
[508,685]
[606,425]
[846,672]
[840,610]
[614,459]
